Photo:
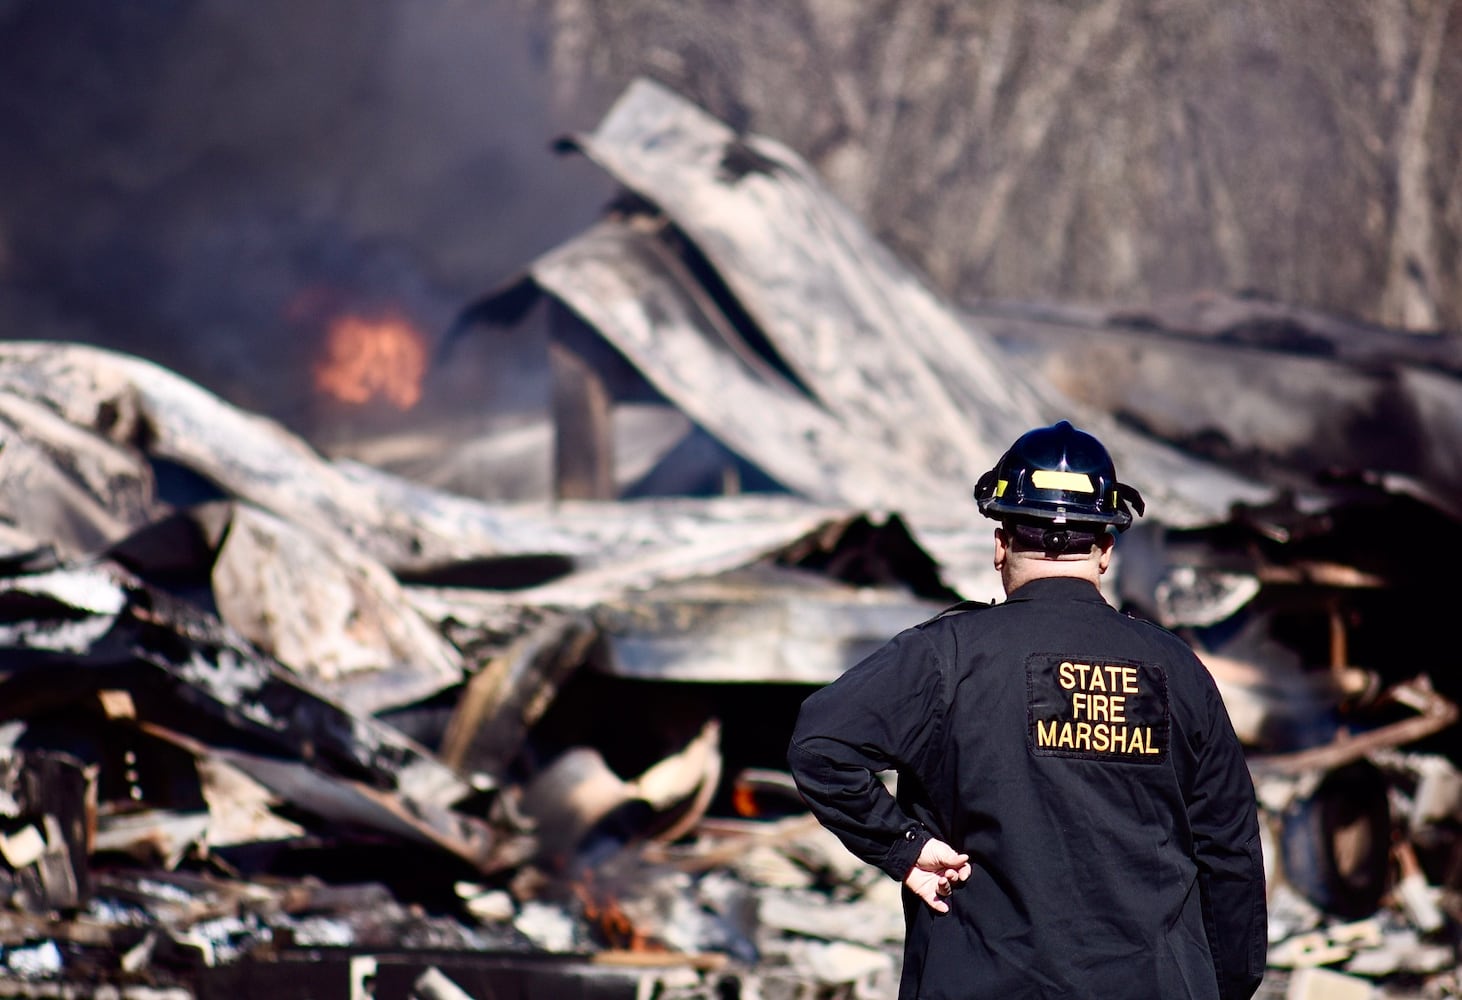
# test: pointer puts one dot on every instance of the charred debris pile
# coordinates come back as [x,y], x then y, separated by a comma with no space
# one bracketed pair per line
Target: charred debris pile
[276,722]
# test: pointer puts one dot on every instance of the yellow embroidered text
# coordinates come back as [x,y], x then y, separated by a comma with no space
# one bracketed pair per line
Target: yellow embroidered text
[1098,720]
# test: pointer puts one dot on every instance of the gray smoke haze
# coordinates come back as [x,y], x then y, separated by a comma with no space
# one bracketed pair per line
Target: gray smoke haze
[200,182]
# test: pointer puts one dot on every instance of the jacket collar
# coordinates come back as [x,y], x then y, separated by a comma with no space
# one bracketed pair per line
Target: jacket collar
[1057,588]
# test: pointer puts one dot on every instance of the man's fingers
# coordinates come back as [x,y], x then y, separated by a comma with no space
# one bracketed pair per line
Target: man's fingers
[937,854]
[939,870]
[931,888]
[955,876]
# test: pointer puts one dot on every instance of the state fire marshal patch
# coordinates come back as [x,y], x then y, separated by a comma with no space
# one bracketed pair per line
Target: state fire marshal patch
[1097,709]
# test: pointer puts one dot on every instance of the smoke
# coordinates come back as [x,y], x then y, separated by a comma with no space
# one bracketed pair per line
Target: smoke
[181,175]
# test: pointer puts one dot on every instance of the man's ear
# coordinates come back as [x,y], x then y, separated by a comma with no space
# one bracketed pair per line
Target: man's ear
[1002,549]
[1106,541]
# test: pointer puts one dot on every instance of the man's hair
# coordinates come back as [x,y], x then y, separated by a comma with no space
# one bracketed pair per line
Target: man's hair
[1052,540]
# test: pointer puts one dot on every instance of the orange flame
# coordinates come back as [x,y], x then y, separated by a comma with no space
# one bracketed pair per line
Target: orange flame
[613,925]
[367,357]
[743,800]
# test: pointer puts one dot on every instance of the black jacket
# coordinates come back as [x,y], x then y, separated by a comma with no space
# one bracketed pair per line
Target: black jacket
[1086,763]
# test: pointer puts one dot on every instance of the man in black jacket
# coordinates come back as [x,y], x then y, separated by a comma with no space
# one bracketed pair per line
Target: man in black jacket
[1071,771]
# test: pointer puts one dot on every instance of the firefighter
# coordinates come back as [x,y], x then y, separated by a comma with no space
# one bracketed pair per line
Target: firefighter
[1073,814]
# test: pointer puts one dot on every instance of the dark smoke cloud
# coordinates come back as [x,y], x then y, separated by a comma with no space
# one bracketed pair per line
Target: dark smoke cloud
[178,175]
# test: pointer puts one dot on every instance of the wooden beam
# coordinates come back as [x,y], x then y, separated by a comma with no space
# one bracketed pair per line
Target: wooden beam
[507,697]
[583,440]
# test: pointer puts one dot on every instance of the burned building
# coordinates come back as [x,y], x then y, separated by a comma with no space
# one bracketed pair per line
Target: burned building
[309,724]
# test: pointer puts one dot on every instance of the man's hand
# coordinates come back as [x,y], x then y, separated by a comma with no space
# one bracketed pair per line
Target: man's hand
[936,873]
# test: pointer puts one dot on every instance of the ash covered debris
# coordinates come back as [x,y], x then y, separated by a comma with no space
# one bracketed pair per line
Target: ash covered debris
[222,801]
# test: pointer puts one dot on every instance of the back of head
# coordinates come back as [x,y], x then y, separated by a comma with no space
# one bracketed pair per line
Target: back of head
[1055,490]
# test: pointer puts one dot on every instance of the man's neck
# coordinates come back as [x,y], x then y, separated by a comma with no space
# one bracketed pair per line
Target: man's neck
[1020,571]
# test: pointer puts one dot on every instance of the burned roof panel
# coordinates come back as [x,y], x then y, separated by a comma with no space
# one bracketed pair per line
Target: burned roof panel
[876,346]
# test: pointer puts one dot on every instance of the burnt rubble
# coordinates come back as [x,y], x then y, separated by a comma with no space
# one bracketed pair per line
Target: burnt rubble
[288,724]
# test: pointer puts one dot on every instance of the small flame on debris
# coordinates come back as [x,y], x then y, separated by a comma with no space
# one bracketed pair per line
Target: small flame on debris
[608,918]
[373,356]
[743,800]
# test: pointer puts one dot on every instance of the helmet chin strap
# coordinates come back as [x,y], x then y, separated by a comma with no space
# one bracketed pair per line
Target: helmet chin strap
[1053,541]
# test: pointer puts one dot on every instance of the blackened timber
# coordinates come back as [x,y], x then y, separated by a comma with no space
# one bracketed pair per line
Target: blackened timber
[50,819]
[329,973]
[99,627]
[583,440]
[507,697]
[354,805]
[1434,711]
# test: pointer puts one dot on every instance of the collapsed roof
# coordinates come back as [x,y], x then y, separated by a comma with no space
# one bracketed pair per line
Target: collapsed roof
[764,310]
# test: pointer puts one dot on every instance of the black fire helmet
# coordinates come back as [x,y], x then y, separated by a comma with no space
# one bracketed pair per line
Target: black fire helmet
[1058,475]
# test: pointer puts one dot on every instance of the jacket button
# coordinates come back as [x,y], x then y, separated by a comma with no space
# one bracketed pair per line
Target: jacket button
[910,833]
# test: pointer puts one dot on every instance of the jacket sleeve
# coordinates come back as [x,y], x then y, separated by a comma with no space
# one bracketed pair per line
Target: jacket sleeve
[1223,813]
[884,713]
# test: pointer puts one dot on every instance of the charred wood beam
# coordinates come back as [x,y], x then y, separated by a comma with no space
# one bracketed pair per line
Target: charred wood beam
[728,850]
[18,929]
[504,699]
[46,831]
[325,974]
[477,842]
[355,772]
[583,445]
[1435,713]
[102,629]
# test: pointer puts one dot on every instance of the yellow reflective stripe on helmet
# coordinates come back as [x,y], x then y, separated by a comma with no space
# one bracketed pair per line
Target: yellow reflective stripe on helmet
[1049,479]
[1000,487]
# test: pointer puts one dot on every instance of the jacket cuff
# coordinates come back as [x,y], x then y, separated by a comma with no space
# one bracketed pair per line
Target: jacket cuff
[899,860]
